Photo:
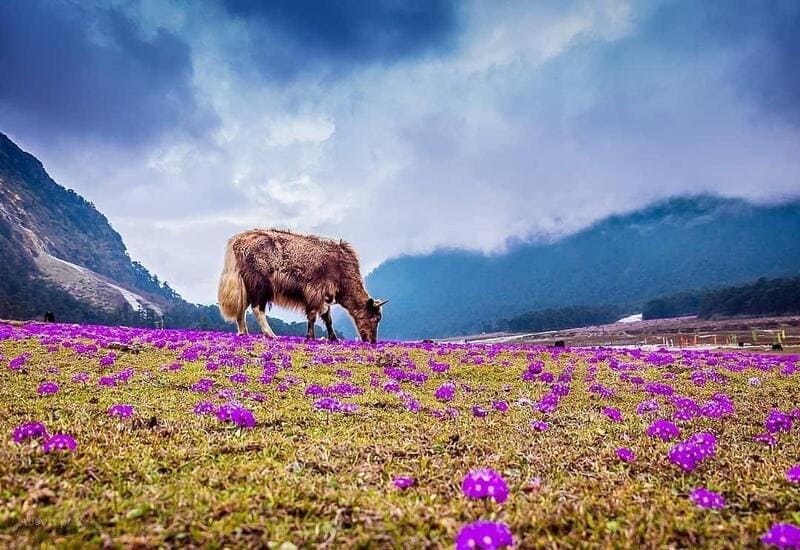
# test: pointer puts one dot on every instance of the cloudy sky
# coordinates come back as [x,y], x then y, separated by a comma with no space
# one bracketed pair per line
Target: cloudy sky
[400,125]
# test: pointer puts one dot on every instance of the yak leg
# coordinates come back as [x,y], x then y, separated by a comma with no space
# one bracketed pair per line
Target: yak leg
[326,317]
[241,324]
[312,318]
[261,317]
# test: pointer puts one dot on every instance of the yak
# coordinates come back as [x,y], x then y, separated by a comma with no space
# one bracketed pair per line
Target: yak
[302,272]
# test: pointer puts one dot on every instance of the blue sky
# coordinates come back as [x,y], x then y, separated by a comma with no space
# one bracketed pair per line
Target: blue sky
[400,126]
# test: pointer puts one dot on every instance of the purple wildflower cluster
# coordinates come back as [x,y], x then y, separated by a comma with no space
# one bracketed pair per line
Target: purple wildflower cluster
[663,429]
[235,413]
[707,499]
[793,474]
[445,392]
[403,482]
[485,483]
[121,410]
[59,442]
[625,454]
[31,430]
[778,421]
[783,535]
[614,414]
[47,388]
[485,535]
[50,443]
[331,404]
[690,453]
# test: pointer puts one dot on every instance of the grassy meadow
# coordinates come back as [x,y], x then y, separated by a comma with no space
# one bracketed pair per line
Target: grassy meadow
[208,439]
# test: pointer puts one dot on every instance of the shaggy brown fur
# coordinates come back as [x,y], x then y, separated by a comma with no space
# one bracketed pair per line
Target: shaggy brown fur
[303,272]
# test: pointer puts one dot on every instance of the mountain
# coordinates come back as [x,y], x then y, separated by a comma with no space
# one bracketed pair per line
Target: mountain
[59,254]
[681,243]
[56,247]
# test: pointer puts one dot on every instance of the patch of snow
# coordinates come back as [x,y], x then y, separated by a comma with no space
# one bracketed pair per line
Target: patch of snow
[635,318]
[136,301]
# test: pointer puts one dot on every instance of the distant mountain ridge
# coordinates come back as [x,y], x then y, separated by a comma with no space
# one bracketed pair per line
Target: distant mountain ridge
[680,243]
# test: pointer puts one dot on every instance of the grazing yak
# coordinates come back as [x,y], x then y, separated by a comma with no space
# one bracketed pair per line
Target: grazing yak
[302,272]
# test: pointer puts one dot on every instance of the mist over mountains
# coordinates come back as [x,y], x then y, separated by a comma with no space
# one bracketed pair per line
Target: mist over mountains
[682,243]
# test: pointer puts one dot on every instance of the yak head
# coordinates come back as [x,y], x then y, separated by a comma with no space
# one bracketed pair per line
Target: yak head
[367,320]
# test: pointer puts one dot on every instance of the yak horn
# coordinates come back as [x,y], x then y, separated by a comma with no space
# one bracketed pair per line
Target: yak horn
[379,303]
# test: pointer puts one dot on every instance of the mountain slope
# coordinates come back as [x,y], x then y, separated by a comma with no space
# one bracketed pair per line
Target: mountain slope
[687,242]
[57,242]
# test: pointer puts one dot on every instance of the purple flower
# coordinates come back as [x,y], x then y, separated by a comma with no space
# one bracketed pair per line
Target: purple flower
[107,381]
[601,390]
[445,392]
[438,367]
[205,407]
[123,411]
[227,393]
[108,359]
[124,375]
[688,454]
[778,421]
[485,483]
[647,407]
[239,378]
[478,412]
[484,535]
[782,535]
[60,442]
[548,403]
[31,430]
[19,361]
[613,413]
[539,425]
[501,406]
[81,377]
[663,429]
[331,404]
[403,482]
[47,388]
[242,417]
[707,499]
[204,385]
[625,454]
[547,377]
[793,474]
[656,388]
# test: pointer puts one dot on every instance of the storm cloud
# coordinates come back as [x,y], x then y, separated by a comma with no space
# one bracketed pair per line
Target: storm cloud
[400,126]
[72,71]
[288,38]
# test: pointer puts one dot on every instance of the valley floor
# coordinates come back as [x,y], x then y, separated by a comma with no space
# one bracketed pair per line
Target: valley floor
[755,334]
[208,439]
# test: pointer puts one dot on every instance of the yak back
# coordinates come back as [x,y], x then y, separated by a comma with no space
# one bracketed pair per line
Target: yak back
[294,270]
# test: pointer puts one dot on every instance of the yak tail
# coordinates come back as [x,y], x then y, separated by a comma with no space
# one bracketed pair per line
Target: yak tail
[232,295]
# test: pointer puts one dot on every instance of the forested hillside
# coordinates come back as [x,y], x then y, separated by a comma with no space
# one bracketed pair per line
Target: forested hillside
[763,297]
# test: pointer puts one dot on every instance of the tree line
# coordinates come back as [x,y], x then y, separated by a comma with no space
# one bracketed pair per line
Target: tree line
[764,297]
